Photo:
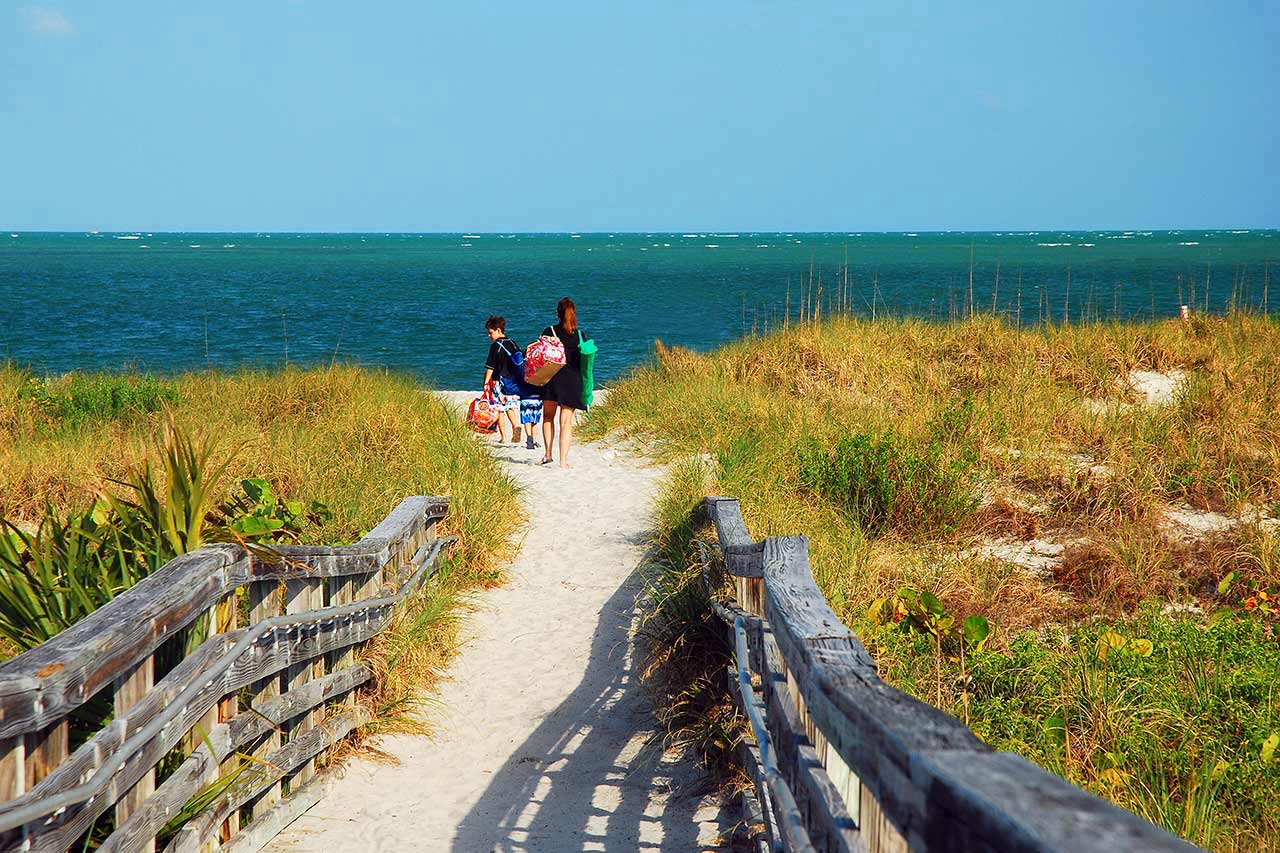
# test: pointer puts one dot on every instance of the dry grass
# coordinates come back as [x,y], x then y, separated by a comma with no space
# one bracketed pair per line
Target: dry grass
[1068,455]
[357,440]
[1054,425]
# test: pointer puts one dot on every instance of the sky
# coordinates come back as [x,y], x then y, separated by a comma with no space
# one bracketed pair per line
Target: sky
[548,116]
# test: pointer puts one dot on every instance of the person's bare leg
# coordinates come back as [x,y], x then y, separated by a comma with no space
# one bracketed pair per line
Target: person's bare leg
[548,428]
[566,434]
[514,417]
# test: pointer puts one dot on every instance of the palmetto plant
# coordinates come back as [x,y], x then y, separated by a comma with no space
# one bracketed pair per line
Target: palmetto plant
[74,563]
[167,513]
[66,569]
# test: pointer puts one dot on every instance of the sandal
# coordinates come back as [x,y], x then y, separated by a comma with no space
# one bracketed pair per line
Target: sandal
[547,461]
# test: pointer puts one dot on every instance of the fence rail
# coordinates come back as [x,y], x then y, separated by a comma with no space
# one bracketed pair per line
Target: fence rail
[169,658]
[844,762]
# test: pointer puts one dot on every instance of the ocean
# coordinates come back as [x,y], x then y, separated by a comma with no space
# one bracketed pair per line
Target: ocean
[417,302]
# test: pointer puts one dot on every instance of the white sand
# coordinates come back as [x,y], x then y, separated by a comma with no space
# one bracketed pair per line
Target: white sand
[1039,556]
[1154,387]
[546,739]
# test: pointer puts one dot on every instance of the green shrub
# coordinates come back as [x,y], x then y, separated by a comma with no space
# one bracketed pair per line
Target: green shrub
[258,514]
[859,472]
[76,399]
[889,481]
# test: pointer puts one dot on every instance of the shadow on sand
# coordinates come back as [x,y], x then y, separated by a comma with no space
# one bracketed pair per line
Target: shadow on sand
[592,776]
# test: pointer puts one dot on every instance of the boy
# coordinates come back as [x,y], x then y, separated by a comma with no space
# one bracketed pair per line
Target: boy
[507,378]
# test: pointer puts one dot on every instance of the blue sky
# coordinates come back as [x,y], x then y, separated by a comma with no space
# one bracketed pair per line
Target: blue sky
[713,115]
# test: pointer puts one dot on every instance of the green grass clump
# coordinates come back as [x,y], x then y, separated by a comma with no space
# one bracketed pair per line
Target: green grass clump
[1163,715]
[69,402]
[887,481]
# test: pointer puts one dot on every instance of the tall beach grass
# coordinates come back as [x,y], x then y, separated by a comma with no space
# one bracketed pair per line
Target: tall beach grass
[1020,475]
[356,440]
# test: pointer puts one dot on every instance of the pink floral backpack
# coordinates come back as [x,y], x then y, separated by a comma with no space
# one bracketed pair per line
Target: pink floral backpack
[543,359]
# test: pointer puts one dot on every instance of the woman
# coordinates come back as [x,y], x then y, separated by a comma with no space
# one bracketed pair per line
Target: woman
[562,396]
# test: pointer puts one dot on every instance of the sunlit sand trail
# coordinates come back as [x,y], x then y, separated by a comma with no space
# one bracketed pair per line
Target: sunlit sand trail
[546,740]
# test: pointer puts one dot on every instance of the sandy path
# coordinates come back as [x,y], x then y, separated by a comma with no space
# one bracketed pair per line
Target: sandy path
[546,740]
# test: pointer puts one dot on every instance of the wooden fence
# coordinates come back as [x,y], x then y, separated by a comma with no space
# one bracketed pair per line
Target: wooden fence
[843,762]
[189,694]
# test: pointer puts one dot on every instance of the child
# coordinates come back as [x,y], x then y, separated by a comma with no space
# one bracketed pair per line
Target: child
[530,412]
[505,377]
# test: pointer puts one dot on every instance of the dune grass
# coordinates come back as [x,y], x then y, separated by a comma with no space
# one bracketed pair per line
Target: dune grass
[356,440]
[917,455]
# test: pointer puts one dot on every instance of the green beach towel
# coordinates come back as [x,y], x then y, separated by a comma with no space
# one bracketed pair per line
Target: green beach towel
[588,351]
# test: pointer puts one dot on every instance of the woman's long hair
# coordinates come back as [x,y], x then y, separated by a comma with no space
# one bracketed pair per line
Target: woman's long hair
[568,314]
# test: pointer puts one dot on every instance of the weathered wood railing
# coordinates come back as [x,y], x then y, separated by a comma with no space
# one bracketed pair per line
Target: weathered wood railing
[278,689]
[844,762]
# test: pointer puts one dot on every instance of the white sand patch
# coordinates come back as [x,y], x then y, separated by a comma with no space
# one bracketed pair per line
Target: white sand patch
[1147,387]
[547,741]
[1040,556]
[1153,387]
[1008,495]
[1251,514]
[1189,523]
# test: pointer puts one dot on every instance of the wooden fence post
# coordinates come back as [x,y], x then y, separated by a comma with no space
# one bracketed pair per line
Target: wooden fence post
[265,602]
[341,590]
[13,772]
[302,595]
[45,750]
[229,707]
[130,689]
[13,780]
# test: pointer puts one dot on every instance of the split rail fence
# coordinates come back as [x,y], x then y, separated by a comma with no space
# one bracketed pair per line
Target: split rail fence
[206,719]
[841,761]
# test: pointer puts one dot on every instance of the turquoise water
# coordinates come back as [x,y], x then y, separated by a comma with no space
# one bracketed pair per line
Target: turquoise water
[417,302]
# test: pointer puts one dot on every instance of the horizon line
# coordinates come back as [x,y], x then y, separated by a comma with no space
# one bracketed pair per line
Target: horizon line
[692,232]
